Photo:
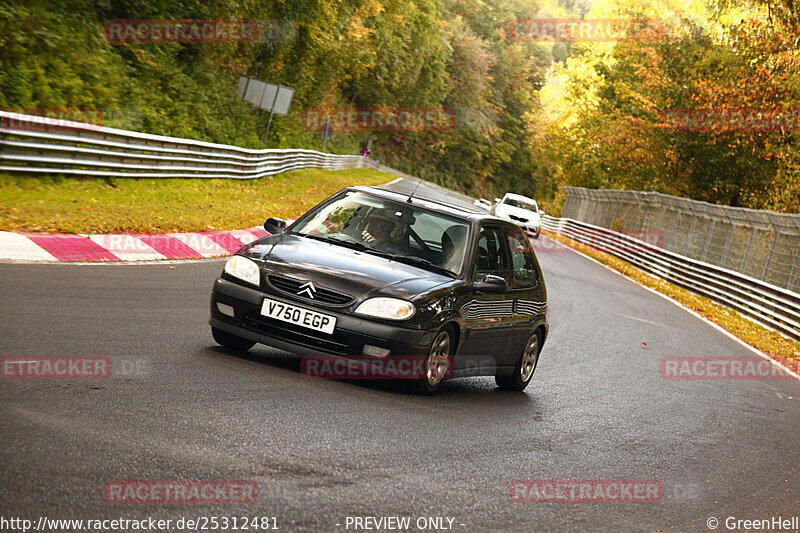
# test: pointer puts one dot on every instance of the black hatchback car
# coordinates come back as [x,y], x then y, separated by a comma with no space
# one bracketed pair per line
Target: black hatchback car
[374,275]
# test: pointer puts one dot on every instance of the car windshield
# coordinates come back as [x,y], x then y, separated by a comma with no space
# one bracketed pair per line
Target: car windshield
[427,239]
[530,205]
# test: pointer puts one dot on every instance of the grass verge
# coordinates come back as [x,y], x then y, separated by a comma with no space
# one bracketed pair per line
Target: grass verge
[775,345]
[121,205]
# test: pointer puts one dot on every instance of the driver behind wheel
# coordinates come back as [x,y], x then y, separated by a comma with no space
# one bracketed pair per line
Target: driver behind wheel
[378,230]
[384,234]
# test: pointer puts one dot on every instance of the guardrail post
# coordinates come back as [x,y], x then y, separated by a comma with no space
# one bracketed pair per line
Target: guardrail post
[794,269]
[749,247]
[660,223]
[646,201]
[727,244]
[691,234]
[771,251]
[636,216]
[674,227]
[594,206]
[709,238]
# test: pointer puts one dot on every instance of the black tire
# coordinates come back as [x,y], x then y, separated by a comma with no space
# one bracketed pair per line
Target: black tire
[517,381]
[437,365]
[229,340]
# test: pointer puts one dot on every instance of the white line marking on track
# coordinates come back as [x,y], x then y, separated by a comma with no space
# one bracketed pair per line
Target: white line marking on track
[696,315]
[642,320]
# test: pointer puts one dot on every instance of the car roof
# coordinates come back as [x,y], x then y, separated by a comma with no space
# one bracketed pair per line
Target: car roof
[453,207]
[518,197]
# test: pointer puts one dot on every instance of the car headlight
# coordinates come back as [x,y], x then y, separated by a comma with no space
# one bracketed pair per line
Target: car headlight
[390,308]
[244,269]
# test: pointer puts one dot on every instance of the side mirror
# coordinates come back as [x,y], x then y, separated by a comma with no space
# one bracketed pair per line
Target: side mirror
[541,212]
[498,200]
[274,225]
[491,284]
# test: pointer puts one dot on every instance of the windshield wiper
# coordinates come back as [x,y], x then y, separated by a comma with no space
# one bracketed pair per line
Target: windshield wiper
[380,253]
[362,248]
[347,244]
[424,263]
[353,245]
[409,260]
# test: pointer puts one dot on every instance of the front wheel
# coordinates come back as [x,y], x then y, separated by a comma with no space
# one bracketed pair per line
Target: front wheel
[437,363]
[229,340]
[523,371]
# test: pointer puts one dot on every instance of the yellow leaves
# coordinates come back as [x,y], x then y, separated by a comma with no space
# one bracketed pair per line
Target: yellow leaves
[372,8]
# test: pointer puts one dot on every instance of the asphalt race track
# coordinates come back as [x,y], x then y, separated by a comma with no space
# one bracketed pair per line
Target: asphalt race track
[177,407]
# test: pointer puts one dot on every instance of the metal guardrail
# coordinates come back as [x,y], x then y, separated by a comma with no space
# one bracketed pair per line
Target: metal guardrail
[761,244]
[39,145]
[773,307]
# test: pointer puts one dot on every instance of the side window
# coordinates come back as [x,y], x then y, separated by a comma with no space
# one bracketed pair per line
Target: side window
[492,256]
[523,262]
[429,228]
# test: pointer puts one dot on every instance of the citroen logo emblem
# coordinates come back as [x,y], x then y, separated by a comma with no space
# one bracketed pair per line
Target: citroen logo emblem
[308,289]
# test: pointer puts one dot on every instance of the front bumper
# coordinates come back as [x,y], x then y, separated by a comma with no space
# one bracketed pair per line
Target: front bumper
[349,338]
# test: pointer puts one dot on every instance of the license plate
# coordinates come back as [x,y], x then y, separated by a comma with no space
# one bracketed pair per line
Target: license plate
[298,315]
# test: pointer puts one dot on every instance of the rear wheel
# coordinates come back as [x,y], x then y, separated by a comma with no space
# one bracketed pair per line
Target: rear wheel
[523,371]
[229,340]
[438,362]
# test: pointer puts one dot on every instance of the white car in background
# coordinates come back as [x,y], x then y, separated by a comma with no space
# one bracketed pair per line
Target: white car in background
[521,210]
[485,204]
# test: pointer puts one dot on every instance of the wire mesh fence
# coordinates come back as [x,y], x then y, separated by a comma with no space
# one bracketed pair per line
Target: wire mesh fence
[761,244]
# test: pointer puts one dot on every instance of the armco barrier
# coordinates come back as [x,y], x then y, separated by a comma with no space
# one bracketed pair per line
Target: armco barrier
[40,145]
[766,304]
[761,244]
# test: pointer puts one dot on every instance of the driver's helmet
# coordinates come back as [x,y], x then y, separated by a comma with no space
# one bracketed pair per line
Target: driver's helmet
[380,225]
[393,221]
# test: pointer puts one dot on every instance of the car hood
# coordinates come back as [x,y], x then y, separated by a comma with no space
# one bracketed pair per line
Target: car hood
[341,269]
